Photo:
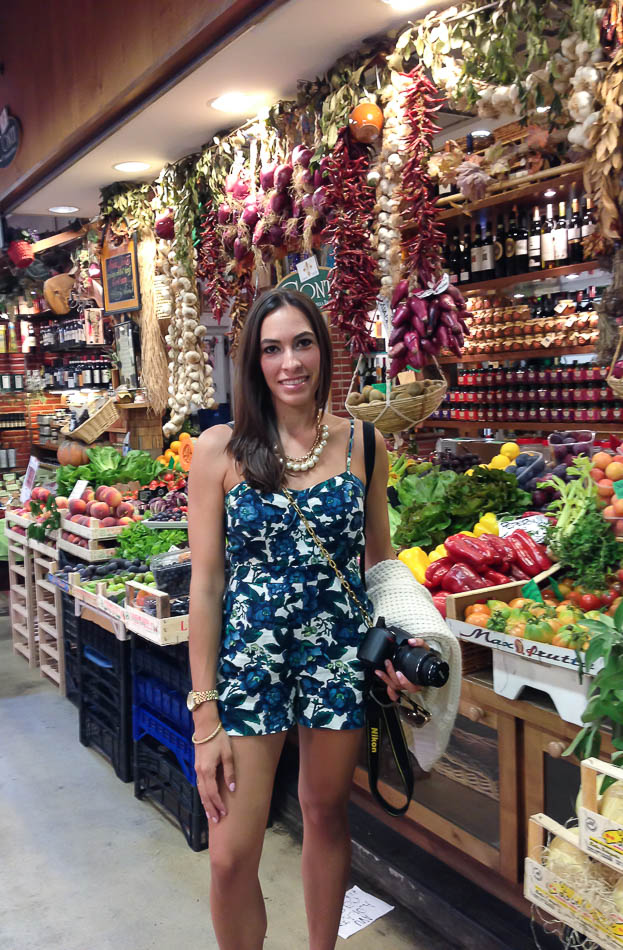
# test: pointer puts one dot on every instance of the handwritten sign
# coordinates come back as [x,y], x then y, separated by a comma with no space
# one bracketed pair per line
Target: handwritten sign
[78,488]
[120,277]
[29,479]
[360,910]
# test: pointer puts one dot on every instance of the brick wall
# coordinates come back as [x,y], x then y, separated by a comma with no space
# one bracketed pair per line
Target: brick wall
[343,365]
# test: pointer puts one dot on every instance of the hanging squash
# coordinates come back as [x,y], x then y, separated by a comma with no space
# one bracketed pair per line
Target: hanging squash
[186,453]
[365,122]
[72,453]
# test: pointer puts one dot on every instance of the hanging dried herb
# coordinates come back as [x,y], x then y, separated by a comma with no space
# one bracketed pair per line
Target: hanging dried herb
[354,280]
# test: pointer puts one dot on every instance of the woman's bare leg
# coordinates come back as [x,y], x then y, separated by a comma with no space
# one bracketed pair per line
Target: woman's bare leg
[236,900]
[328,760]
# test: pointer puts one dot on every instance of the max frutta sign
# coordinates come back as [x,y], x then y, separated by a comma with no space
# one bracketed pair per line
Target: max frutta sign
[10,137]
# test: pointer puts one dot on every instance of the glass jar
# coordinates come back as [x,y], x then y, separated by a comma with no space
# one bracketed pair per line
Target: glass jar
[568,414]
[592,413]
[545,413]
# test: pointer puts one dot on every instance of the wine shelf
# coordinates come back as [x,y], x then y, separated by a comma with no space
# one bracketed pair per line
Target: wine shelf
[535,276]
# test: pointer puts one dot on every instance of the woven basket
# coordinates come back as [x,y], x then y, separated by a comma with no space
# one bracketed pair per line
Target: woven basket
[391,416]
[616,385]
[96,424]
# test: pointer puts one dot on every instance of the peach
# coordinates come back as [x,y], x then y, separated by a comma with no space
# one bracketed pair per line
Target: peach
[100,509]
[609,512]
[137,517]
[124,521]
[601,460]
[108,522]
[597,474]
[99,494]
[112,497]
[604,488]
[62,502]
[77,506]
[614,471]
[88,495]
[618,507]
[125,508]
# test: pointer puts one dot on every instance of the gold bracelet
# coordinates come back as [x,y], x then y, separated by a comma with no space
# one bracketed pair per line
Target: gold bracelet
[211,736]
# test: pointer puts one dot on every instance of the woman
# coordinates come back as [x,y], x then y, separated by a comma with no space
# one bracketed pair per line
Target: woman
[280,649]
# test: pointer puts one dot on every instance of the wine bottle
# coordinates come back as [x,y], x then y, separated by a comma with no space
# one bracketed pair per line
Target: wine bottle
[547,239]
[477,253]
[488,269]
[589,221]
[465,244]
[509,243]
[534,242]
[574,233]
[498,249]
[561,245]
[455,259]
[521,246]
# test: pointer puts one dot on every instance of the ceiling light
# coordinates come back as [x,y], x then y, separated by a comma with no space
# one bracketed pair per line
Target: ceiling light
[239,103]
[63,209]
[131,166]
[481,133]
[573,276]
[405,6]
[519,296]
[550,193]
[542,109]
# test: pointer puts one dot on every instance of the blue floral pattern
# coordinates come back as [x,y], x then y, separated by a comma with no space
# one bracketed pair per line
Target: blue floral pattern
[290,632]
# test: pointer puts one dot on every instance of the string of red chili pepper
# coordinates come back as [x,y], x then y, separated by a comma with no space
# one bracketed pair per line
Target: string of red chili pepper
[422,250]
[354,280]
[212,264]
[241,295]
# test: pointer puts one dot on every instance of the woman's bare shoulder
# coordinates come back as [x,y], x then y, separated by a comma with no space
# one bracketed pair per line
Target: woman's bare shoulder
[214,440]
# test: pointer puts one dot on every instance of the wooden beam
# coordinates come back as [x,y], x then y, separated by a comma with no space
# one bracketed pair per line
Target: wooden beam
[63,237]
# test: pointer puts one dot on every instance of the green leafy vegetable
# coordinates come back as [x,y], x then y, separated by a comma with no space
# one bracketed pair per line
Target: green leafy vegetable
[587,547]
[106,466]
[576,495]
[137,540]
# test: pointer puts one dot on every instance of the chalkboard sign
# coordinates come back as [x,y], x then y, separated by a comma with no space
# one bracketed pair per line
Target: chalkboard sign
[120,277]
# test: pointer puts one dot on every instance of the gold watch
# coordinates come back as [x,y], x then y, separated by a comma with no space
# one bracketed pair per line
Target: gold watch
[196,697]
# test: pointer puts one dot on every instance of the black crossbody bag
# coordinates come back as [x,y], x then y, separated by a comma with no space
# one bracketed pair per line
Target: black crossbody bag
[382,716]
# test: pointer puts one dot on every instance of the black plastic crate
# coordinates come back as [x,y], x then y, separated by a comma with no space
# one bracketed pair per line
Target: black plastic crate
[167,663]
[157,776]
[70,648]
[105,696]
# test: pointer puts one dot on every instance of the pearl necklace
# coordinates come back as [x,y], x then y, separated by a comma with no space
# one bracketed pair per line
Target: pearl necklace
[306,462]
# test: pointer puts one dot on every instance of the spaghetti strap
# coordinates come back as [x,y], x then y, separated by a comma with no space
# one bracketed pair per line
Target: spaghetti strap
[350,444]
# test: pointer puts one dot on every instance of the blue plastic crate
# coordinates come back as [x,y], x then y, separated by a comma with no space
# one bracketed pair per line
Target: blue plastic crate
[169,703]
[144,723]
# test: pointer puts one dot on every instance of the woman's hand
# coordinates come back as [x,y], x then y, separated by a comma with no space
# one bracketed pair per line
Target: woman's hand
[397,682]
[208,757]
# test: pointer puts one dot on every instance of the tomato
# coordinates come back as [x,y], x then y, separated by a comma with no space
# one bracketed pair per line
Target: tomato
[565,587]
[170,476]
[608,597]
[516,629]
[477,608]
[612,609]
[620,574]
[518,603]
[589,602]
[478,620]
[541,632]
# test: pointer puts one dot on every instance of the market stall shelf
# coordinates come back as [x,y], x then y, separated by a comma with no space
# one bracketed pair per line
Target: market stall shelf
[93,552]
[160,627]
[22,599]
[601,837]
[48,599]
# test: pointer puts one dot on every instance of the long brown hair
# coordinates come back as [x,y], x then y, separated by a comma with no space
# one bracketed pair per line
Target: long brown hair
[255,427]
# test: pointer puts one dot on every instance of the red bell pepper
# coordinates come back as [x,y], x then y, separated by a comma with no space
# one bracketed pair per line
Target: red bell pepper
[523,556]
[466,550]
[461,578]
[436,571]
[502,555]
[517,574]
[538,551]
[439,601]
[494,578]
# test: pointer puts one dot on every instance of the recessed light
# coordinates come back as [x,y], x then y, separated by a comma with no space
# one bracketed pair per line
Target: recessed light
[481,133]
[405,6]
[63,209]
[550,193]
[131,166]
[239,103]
[542,109]
[519,296]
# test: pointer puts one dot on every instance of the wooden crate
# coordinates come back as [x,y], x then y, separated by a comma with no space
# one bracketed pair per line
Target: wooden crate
[162,628]
[601,838]
[49,608]
[92,553]
[571,903]
[22,600]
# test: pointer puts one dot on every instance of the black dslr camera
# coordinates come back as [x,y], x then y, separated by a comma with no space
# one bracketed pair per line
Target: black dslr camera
[422,667]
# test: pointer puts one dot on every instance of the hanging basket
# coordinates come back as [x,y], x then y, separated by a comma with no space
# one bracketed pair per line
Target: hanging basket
[404,412]
[616,385]
[21,254]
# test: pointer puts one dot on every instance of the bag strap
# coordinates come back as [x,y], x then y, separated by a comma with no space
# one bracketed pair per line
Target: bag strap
[369,457]
[382,717]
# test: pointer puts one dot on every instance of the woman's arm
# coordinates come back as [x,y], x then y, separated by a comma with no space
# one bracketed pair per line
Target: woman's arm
[207,543]
[378,543]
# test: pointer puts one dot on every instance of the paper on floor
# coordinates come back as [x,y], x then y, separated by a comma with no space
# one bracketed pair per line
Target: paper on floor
[360,909]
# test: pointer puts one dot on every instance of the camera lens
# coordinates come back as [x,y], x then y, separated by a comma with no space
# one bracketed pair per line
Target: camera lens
[422,667]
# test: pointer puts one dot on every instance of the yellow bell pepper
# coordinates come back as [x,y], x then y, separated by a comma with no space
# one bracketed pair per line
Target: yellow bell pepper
[488,523]
[437,553]
[416,560]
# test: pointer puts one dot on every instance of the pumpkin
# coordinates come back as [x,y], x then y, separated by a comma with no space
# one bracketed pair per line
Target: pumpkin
[186,453]
[365,122]
[72,453]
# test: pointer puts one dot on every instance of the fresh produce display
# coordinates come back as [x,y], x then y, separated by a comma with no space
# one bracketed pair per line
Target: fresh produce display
[370,394]
[113,574]
[179,454]
[106,466]
[138,540]
[102,508]
[438,504]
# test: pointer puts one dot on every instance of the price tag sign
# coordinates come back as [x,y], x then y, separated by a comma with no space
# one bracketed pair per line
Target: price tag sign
[78,488]
[308,269]
[126,444]
[535,525]
[29,479]
[617,488]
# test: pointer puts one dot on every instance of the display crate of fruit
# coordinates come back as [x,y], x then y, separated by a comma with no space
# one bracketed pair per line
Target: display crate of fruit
[564,883]
[148,613]
[12,517]
[601,816]
[47,547]
[16,533]
[85,549]
[518,660]
[92,532]
[97,514]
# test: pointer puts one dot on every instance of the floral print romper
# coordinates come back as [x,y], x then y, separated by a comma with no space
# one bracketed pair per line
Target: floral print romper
[290,632]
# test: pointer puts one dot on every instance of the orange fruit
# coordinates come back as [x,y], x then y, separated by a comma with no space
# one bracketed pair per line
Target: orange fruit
[602,460]
[168,454]
[617,504]
[604,488]
[609,512]
[175,447]
[183,436]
